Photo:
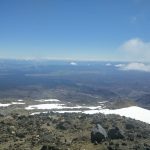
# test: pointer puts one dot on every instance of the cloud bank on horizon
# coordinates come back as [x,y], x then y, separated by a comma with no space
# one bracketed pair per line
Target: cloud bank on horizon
[136,49]
[135,66]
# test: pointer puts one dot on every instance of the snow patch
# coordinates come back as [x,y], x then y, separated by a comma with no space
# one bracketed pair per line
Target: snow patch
[45,106]
[37,113]
[60,106]
[102,102]
[4,105]
[48,100]
[17,103]
[133,112]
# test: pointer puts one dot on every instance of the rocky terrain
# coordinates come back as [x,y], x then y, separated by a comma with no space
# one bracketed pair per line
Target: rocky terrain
[52,131]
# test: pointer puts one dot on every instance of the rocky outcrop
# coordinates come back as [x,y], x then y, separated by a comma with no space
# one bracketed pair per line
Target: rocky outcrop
[73,132]
[115,133]
[98,134]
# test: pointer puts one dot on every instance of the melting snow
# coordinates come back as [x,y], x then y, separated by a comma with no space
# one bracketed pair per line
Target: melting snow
[4,105]
[45,106]
[12,103]
[68,111]
[36,113]
[17,103]
[48,100]
[60,106]
[102,102]
[133,112]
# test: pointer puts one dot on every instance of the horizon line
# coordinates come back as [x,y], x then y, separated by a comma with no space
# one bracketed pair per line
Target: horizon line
[67,59]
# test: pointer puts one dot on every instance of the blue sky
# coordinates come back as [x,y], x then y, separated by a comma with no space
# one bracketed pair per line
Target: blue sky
[75,29]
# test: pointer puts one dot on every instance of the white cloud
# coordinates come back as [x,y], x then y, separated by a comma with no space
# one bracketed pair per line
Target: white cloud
[120,65]
[108,64]
[136,49]
[73,63]
[134,66]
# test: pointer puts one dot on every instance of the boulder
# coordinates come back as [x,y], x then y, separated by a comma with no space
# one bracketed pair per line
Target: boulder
[115,133]
[98,134]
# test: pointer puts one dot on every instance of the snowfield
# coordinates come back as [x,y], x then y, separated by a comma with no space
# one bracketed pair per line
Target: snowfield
[55,105]
[60,106]
[133,112]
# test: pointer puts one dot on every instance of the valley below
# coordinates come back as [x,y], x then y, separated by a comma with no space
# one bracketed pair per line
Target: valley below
[60,106]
